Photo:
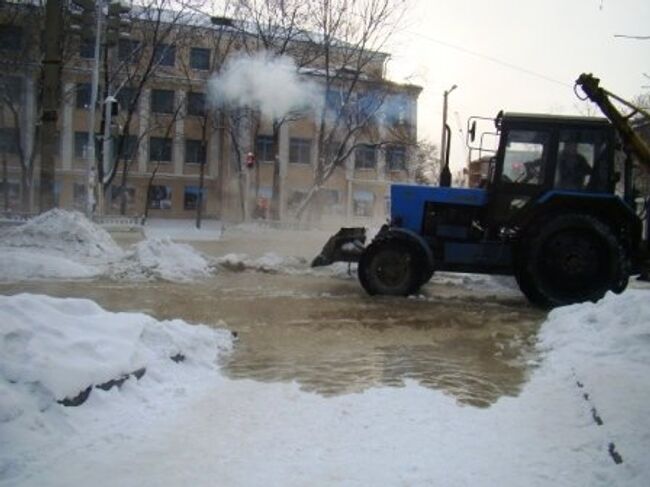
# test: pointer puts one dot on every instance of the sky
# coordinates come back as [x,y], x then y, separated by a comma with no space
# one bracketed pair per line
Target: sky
[521,56]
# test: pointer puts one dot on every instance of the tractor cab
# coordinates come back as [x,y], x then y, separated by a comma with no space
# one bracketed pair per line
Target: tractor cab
[541,154]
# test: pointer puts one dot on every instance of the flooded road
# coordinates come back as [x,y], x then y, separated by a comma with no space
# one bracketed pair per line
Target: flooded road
[326,334]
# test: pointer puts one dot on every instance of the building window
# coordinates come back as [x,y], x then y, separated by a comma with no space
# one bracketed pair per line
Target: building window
[330,202]
[334,102]
[80,144]
[395,109]
[196,103]
[128,50]
[87,48]
[300,151]
[200,58]
[11,37]
[12,87]
[160,197]
[160,149]
[191,198]
[368,104]
[79,196]
[8,140]
[125,97]
[162,101]
[194,151]
[10,195]
[363,203]
[129,147]
[164,54]
[365,157]
[264,148]
[396,158]
[295,198]
[129,194]
[83,92]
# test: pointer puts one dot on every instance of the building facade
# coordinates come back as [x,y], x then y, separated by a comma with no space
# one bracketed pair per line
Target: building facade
[175,149]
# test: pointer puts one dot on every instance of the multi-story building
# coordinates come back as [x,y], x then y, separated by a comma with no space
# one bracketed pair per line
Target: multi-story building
[172,139]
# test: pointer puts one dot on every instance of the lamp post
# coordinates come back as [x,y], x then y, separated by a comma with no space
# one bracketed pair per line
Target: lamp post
[445,174]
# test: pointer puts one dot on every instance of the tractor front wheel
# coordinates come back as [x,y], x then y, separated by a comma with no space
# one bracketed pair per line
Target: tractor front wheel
[390,267]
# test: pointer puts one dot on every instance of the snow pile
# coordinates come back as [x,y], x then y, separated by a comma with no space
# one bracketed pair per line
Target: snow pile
[269,263]
[605,347]
[19,265]
[56,244]
[68,232]
[63,244]
[53,348]
[161,258]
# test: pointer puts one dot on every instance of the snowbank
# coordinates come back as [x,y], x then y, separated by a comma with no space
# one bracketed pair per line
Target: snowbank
[54,348]
[63,244]
[604,351]
[160,258]
[68,232]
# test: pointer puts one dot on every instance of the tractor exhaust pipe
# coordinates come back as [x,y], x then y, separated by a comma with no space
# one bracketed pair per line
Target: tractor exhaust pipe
[445,173]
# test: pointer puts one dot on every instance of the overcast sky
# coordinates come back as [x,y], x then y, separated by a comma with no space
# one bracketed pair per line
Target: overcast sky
[527,55]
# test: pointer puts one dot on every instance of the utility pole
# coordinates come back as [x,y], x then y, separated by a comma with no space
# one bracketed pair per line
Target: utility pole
[445,174]
[90,153]
[51,99]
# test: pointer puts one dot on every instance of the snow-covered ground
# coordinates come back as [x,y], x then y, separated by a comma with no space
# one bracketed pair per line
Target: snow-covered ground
[581,419]
[185,423]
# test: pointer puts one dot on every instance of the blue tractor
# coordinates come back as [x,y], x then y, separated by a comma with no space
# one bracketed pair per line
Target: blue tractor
[548,214]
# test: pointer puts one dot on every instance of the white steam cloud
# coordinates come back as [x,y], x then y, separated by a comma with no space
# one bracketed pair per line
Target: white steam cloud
[265,82]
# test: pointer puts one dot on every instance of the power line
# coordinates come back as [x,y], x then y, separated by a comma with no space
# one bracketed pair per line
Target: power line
[624,36]
[492,59]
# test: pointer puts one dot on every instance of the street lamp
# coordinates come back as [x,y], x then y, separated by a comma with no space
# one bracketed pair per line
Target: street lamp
[445,174]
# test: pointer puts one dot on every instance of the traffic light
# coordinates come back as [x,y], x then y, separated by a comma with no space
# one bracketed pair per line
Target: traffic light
[83,19]
[116,25]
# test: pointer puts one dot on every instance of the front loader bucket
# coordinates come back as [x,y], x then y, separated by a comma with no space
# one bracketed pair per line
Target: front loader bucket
[344,246]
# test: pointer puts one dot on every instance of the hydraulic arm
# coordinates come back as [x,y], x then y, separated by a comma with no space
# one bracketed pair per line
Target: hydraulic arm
[603,98]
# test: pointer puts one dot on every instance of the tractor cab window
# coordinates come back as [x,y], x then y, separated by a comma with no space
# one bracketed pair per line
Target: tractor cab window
[581,160]
[524,160]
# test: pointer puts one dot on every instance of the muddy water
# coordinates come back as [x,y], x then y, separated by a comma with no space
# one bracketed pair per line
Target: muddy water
[324,333]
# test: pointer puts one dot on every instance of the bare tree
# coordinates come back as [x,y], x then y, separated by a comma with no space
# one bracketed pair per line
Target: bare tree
[426,161]
[277,28]
[20,63]
[221,42]
[160,30]
[360,107]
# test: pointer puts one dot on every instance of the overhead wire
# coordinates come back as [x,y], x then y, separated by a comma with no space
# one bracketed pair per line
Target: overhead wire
[490,58]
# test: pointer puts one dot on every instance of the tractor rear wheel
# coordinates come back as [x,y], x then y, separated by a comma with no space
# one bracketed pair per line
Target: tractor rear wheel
[390,267]
[573,258]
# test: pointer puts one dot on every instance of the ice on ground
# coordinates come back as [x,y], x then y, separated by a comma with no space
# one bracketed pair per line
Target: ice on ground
[53,348]
[269,263]
[161,258]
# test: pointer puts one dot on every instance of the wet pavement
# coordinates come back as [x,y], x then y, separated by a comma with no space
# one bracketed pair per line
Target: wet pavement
[324,333]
